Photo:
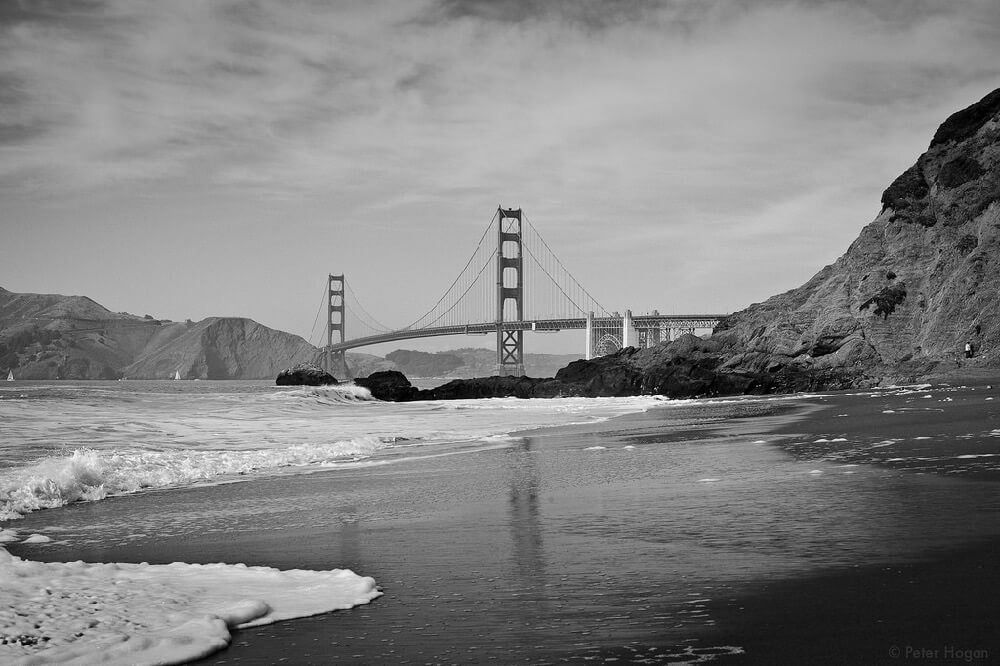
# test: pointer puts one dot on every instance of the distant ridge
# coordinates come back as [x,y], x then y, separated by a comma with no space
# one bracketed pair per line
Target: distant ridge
[51,336]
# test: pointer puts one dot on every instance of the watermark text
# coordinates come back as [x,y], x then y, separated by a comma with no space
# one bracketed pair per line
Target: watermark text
[955,653]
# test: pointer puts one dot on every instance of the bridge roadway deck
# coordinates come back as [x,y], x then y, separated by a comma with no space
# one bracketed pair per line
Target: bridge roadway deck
[639,322]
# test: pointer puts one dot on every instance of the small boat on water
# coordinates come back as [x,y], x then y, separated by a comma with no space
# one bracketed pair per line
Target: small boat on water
[10,375]
[177,374]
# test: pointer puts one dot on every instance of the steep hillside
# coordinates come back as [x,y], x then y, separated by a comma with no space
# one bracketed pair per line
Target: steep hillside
[920,281]
[49,336]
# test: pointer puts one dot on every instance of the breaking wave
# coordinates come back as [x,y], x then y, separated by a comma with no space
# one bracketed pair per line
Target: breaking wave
[89,474]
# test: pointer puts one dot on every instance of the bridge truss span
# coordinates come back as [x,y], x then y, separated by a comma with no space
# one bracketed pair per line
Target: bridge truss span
[511,284]
[647,330]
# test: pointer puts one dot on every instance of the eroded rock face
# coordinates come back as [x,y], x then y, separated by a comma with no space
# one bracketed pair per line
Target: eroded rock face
[305,374]
[921,280]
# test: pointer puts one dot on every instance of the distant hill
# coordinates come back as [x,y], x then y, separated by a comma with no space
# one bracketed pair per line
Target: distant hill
[50,336]
[471,362]
[222,348]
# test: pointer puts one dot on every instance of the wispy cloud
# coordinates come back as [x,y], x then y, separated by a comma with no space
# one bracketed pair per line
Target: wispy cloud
[300,95]
[665,118]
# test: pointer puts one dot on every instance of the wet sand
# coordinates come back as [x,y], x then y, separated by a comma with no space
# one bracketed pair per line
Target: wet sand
[654,538]
[932,608]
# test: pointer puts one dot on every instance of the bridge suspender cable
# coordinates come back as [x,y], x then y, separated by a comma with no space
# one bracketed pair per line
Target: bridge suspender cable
[319,312]
[594,301]
[457,279]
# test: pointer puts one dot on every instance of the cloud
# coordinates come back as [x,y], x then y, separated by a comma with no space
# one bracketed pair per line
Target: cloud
[662,121]
[303,95]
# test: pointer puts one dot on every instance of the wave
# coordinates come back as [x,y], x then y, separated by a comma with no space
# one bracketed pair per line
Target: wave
[89,474]
[335,394]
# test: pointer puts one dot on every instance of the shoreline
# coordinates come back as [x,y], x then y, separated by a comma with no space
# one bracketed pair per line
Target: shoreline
[496,556]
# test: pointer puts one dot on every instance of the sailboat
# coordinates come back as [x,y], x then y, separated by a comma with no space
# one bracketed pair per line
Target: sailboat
[177,374]
[10,375]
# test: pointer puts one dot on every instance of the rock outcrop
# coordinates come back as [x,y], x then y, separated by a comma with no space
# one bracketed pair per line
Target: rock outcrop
[389,385]
[305,374]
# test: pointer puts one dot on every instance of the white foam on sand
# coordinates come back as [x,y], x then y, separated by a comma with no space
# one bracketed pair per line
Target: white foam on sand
[38,538]
[80,613]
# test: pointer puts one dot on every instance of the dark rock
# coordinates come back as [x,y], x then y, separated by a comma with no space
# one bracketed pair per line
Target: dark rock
[963,124]
[967,244]
[886,300]
[305,374]
[389,385]
[483,387]
[959,171]
[908,188]
[611,375]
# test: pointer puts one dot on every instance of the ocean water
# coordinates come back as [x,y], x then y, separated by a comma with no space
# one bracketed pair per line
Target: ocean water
[64,443]
[594,539]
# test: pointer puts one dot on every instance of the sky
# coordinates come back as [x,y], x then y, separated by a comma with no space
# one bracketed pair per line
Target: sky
[219,158]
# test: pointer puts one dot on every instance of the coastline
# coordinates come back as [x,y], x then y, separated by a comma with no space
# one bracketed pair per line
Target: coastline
[572,545]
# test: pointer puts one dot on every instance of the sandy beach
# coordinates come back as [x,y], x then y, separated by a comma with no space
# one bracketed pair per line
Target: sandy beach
[746,534]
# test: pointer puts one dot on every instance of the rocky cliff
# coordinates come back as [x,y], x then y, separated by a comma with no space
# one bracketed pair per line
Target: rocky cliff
[920,281]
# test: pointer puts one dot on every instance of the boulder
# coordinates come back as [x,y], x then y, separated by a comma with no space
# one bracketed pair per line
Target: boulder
[305,374]
[389,385]
[488,387]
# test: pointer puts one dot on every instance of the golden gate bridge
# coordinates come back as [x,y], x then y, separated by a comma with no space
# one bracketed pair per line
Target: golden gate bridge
[491,295]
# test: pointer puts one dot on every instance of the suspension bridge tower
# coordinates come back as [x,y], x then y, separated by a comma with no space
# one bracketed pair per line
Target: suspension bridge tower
[336,362]
[510,290]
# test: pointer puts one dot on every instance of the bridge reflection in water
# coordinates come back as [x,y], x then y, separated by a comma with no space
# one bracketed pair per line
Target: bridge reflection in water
[491,296]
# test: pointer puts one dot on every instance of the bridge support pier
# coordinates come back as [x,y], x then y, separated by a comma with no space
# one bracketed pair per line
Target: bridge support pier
[510,287]
[335,362]
[590,336]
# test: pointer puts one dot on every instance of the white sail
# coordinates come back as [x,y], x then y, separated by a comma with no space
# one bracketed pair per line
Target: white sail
[10,375]
[177,374]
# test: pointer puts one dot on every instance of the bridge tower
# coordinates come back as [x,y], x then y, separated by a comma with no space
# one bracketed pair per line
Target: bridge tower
[336,362]
[510,287]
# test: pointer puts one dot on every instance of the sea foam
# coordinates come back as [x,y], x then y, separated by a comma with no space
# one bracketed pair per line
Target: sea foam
[89,474]
[80,613]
